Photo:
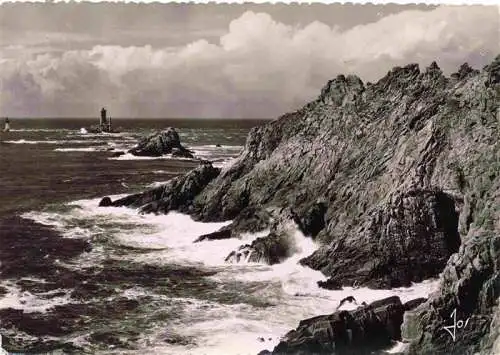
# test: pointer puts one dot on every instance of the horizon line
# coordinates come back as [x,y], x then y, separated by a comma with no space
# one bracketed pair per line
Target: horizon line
[134,118]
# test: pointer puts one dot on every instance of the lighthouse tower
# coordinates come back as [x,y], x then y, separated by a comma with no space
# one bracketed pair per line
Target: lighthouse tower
[103,121]
[7,125]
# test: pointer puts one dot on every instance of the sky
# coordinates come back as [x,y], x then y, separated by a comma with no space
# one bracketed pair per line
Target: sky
[218,61]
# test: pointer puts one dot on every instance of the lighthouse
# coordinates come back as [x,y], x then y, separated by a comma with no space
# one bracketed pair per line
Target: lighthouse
[105,122]
[104,125]
[7,125]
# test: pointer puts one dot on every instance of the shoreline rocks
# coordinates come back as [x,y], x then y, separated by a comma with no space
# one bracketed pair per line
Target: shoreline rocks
[406,240]
[271,249]
[362,331]
[394,180]
[470,286]
[177,194]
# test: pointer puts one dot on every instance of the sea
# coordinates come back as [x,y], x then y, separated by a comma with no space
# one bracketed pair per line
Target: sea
[78,278]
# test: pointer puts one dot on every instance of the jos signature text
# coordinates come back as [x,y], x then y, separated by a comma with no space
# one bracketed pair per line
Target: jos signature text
[452,329]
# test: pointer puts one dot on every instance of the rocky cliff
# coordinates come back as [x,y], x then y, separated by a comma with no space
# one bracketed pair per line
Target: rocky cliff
[392,178]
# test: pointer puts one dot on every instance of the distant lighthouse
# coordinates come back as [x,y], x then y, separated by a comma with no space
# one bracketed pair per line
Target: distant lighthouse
[7,125]
[105,122]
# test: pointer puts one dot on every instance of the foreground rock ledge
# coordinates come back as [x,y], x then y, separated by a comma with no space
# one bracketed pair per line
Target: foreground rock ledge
[471,286]
[362,331]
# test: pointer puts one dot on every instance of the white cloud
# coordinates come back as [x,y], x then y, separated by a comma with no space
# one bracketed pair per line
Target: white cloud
[259,68]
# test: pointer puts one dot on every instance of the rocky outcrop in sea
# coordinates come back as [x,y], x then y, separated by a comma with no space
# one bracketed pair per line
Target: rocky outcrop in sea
[161,143]
[398,180]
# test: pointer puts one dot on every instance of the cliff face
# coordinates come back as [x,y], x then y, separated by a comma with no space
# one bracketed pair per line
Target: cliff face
[392,178]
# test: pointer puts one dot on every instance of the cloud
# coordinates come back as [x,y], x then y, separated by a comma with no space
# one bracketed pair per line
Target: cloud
[259,67]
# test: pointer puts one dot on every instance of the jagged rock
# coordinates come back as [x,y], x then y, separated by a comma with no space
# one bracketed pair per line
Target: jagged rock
[362,331]
[251,220]
[408,169]
[220,234]
[470,284]
[412,304]
[330,284]
[410,238]
[160,143]
[313,220]
[177,193]
[464,71]
[271,249]
[277,246]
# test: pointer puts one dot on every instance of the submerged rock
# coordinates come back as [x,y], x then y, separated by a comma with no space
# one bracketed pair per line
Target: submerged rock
[161,143]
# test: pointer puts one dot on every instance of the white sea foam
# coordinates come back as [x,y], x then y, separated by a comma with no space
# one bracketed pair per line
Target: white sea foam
[38,130]
[398,348]
[129,156]
[289,289]
[29,302]
[85,149]
[156,184]
[70,141]
[165,172]
[224,164]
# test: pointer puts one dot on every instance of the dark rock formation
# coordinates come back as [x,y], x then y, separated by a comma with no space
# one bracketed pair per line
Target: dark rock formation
[117,154]
[224,233]
[362,331]
[160,143]
[106,202]
[471,286]
[411,305]
[407,239]
[313,219]
[177,193]
[271,249]
[391,178]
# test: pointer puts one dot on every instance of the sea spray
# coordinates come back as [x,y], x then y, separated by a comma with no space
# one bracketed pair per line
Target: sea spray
[268,300]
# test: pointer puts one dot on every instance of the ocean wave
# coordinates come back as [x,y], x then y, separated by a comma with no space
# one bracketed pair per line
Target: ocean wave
[129,156]
[86,149]
[70,141]
[39,130]
[207,151]
[32,302]
[287,292]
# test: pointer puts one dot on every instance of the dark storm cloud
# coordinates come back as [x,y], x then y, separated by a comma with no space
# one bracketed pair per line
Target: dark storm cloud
[217,60]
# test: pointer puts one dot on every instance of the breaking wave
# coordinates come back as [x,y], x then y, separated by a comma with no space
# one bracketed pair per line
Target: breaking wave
[271,300]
